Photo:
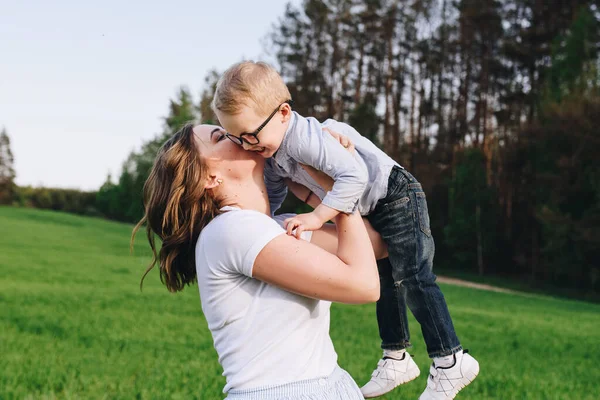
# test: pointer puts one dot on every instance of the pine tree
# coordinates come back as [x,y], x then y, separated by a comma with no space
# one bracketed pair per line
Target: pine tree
[181,111]
[7,171]
[207,115]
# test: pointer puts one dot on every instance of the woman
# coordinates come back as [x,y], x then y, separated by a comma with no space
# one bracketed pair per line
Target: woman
[261,289]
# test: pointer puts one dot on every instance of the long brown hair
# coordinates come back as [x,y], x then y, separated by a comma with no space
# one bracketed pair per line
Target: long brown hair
[177,208]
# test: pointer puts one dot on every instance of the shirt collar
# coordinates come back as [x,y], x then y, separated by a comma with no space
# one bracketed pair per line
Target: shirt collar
[279,156]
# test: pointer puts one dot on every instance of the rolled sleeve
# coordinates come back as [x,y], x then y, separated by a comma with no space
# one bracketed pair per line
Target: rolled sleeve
[345,207]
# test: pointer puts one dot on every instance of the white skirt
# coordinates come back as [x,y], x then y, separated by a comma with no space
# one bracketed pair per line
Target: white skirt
[337,386]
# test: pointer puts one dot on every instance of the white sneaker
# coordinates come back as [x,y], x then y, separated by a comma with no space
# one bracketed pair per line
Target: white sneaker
[445,383]
[390,373]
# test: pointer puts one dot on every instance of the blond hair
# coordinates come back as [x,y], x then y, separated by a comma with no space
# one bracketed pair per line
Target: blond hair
[253,84]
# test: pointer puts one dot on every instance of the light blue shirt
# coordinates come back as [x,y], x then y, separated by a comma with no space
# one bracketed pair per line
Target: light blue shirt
[360,179]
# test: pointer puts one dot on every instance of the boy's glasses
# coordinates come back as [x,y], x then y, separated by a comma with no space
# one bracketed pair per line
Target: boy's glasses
[252,138]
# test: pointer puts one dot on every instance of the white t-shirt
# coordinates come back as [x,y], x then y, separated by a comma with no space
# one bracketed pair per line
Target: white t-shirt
[264,335]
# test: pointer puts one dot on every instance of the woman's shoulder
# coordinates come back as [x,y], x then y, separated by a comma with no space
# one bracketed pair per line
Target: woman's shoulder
[232,240]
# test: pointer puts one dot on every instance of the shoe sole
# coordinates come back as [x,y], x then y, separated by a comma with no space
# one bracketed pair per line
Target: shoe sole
[410,376]
[466,380]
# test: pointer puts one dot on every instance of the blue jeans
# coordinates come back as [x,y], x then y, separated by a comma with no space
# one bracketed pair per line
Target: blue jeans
[406,276]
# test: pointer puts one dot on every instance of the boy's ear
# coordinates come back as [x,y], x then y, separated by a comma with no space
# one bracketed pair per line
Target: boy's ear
[286,112]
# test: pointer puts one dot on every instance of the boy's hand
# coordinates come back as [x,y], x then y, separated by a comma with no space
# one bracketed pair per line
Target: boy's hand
[301,223]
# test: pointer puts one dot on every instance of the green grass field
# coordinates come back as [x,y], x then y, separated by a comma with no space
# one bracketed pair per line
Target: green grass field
[74,325]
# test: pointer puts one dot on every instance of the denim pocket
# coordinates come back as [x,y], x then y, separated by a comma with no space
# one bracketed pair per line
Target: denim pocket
[396,203]
[393,218]
[423,213]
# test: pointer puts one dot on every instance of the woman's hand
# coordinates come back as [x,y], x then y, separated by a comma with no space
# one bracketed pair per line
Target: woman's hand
[344,141]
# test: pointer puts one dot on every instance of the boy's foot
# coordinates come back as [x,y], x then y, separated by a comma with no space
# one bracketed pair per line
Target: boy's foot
[444,383]
[390,373]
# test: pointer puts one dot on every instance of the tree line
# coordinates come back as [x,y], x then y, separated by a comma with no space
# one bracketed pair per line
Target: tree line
[491,104]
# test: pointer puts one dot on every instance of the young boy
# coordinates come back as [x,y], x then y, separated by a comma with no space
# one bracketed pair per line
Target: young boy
[254,105]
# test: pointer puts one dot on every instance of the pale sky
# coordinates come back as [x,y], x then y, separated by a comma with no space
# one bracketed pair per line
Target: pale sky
[83,83]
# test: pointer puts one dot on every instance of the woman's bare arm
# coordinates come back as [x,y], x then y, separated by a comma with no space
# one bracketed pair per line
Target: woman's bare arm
[348,276]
